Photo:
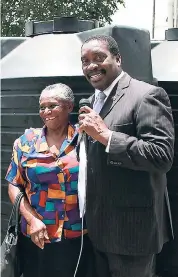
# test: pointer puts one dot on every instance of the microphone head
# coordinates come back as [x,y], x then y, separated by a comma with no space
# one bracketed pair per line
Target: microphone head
[84,102]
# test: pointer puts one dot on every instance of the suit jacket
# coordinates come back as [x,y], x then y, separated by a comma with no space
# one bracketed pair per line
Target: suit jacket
[127,206]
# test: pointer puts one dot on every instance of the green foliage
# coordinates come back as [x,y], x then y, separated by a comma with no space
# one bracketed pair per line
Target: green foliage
[14,13]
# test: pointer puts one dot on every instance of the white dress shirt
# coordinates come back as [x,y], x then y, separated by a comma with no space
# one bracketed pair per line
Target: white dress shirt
[107,92]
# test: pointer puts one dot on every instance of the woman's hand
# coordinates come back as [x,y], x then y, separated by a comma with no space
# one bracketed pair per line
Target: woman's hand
[38,232]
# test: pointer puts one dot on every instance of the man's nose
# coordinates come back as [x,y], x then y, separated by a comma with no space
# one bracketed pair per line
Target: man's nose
[92,66]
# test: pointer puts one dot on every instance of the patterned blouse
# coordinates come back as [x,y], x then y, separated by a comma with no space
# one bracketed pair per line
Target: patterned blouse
[50,181]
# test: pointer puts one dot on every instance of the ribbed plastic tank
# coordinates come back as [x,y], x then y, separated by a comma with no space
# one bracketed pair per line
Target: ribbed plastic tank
[165,70]
[51,54]
[9,43]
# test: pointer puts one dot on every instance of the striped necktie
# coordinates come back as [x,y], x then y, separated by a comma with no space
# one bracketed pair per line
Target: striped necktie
[99,102]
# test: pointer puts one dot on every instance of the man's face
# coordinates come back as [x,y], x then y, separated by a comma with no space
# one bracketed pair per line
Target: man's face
[99,66]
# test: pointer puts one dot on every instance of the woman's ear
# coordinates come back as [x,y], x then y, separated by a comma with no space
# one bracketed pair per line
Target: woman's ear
[70,107]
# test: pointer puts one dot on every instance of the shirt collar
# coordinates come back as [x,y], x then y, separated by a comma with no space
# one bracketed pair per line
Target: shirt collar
[108,90]
[41,143]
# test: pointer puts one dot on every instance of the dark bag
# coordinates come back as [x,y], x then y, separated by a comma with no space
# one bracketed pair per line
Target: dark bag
[10,262]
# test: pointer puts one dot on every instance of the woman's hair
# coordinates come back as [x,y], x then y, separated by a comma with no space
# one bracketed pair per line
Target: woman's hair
[60,91]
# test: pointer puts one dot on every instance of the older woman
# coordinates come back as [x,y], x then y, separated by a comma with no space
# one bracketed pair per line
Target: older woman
[44,164]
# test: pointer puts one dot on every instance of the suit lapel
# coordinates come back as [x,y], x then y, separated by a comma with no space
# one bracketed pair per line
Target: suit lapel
[116,94]
[92,100]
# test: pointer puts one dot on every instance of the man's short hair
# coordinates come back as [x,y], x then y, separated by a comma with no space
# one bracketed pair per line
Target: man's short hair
[110,41]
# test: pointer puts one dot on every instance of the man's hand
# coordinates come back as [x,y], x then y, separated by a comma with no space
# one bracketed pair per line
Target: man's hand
[38,232]
[93,125]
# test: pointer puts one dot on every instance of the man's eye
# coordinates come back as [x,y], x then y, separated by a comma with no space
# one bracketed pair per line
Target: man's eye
[85,62]
[100,58]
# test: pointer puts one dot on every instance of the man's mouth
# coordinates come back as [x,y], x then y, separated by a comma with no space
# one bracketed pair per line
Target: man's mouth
[95,76]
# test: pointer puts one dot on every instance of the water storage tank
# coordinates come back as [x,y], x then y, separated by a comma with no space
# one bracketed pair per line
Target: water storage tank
[165,70]
[10,43]
[52,54]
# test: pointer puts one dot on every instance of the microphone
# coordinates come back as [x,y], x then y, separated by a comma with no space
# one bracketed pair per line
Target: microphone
[84,102]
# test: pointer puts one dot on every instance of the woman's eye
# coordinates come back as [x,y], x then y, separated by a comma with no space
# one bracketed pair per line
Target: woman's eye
[52,107]
[42,108]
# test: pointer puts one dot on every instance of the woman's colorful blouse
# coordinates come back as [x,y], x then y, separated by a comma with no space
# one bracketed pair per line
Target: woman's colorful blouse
[50,181]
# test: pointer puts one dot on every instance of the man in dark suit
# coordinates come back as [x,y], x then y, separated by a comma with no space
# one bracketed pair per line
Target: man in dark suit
[131,133]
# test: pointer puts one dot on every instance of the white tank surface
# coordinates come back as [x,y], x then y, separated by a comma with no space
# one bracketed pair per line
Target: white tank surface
[43,56]
[165,61]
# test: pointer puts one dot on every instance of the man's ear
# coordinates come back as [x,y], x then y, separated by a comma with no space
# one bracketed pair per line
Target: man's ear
[118,59]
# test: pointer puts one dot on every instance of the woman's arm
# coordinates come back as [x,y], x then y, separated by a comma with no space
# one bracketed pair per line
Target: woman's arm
[37,227]
[25,209]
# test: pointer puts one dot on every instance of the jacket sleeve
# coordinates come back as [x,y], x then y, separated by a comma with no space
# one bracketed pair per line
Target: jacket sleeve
[153,147]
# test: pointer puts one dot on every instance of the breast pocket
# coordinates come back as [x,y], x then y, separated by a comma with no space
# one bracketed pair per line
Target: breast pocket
[126,128]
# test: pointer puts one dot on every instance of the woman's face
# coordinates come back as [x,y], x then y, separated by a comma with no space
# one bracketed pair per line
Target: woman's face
[54,112]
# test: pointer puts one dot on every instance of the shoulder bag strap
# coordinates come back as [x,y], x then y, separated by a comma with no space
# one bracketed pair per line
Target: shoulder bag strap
[15,211]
